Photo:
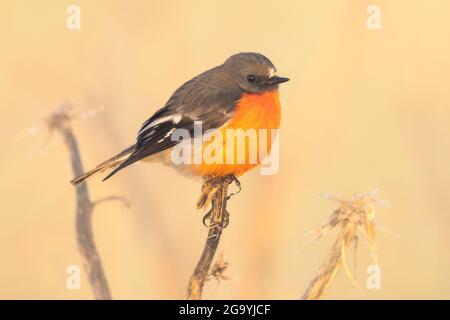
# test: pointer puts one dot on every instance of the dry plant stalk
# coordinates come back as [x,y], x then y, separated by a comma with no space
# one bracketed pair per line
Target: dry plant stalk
[60,120]
[214,191]
[351,215]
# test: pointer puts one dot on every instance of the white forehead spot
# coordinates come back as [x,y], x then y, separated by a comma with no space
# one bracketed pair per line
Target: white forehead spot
[272,72]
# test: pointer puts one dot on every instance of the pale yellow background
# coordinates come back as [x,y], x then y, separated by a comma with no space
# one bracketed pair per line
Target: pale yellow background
[364,109]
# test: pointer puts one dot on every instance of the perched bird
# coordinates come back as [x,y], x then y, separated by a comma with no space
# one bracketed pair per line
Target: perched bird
[242,93]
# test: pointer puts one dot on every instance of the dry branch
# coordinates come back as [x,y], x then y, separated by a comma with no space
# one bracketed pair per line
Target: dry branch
[353,215]
[214,191]
[60,120]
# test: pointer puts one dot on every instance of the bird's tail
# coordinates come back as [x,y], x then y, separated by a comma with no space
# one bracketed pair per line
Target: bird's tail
[112,163]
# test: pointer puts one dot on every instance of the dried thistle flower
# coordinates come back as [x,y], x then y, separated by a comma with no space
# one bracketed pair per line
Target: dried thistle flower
[351,215]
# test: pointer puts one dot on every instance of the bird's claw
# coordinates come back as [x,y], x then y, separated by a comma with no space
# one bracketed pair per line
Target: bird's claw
[209,191]
[238,184]
[210,221]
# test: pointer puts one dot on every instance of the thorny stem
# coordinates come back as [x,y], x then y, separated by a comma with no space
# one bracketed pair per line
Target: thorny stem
[60,120]
[219,219]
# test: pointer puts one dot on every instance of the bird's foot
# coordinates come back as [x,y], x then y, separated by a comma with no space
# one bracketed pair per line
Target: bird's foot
[211,221]
[211,189]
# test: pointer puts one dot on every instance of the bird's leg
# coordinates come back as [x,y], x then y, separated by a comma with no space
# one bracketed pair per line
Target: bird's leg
[209,188]
[212,191]
[237,183]
[221,216]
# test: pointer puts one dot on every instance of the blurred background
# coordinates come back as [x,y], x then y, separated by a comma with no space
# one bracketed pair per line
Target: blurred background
[364,110]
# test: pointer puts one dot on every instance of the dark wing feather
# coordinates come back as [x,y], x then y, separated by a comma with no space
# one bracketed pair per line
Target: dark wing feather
[149,144]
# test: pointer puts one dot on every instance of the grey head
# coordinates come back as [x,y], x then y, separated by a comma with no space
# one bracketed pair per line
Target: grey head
[252,72]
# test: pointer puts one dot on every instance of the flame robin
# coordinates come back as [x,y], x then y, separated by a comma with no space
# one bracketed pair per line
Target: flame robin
[242,93]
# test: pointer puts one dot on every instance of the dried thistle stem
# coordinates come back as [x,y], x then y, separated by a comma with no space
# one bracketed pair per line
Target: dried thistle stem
[321,283]
[60,121]
[216,190]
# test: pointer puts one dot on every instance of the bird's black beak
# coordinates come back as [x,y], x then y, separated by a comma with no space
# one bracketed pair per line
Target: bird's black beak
[276,80]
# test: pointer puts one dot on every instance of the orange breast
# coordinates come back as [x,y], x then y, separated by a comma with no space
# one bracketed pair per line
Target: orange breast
[259,111]
[254,113]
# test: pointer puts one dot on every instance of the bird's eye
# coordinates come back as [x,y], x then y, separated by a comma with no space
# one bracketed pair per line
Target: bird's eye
[251,78]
